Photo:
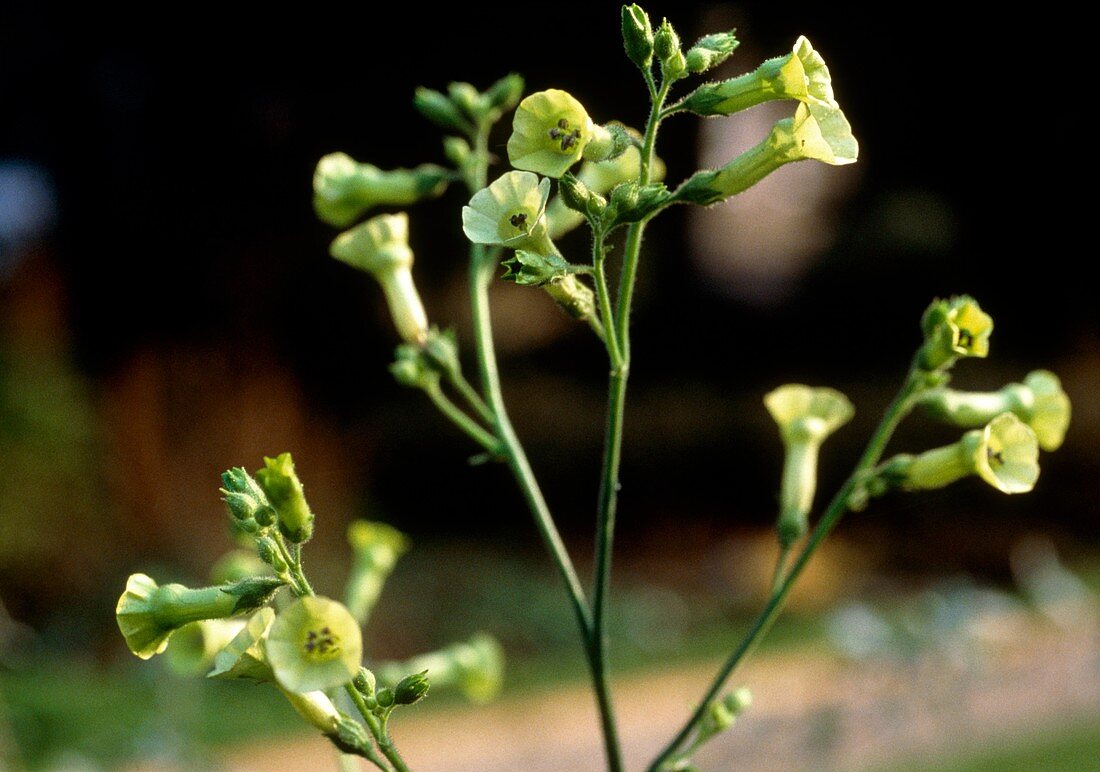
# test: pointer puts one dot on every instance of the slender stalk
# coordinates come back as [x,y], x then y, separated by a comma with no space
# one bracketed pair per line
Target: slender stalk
[461,420]
[780,566]
[378,730]
[604,297]
[473,399]
[897,410]
[618,348]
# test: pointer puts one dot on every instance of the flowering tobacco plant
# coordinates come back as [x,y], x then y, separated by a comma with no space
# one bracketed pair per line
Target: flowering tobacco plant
[567,170]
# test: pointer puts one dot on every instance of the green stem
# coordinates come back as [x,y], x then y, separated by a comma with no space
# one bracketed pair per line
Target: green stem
[377,729]
[897,410]
[604,297]
[461,420]
[780,566]
[473,399]
[481,274]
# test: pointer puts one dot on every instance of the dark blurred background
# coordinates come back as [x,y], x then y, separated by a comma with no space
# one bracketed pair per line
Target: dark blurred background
[168,309]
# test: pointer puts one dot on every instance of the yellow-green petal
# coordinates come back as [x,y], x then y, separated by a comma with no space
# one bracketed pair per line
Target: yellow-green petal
[1049,412]
[808,412]
[314,644]
[510,212]
[549,133]
[1008,457]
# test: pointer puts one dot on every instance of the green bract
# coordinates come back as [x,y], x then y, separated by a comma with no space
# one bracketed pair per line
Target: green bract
[314,644]
[551,131]
[510,213]
[380,246]
[344,189]
[806,417]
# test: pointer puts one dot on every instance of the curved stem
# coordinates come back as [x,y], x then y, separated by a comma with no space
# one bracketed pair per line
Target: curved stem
[378,730]
[604,297]
[780,566]
[473,399]
[461,420]
[897,410]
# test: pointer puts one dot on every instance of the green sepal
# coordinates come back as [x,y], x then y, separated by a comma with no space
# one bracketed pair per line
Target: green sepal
[410,367]
[666,46]
[637,36]
[252,593]
[533,270]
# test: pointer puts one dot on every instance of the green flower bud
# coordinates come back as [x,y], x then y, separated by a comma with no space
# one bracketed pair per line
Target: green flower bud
[475,668]
[815,132]
[506,92]
[1039,402]
[343,189]
[441,352]
[148,614]
[193,647]
[510,213]
[411,688]
[529,269]
[385,697]
[438,109]
[365,683]
[573,296]
[269,553]
[631,202]
[801,75]
[380,246]
[351,737]
[954,328]
[666,45]
[457,150]
[236,565]
[637,36]
[710,51]
[410,367]
[375,550]
[244,498]
[1004,454]
[806,417]
[243,657]
[550,131]
[284,490]
[466,98]
[314,644]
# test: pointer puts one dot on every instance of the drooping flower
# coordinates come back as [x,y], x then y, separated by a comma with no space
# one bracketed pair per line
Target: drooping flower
[380,246]
[344,189]
[1039,401]
[314,643]
[806,416]
[815,132]
[801,74]
[148,613]
[1005,454]
[375,550]
[474,667]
